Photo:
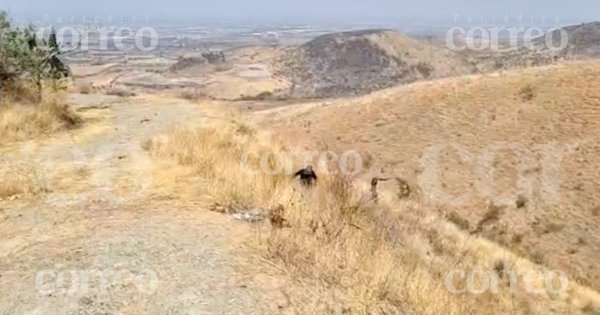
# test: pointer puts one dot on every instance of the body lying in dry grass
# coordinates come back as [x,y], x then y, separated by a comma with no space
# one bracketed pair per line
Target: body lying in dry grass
[365,258]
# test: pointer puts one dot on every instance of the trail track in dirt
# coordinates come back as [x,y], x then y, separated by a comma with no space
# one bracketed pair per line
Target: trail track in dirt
[102,211]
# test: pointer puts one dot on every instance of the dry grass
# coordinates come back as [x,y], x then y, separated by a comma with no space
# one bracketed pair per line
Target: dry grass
[19,121]
[20,180]
[530,108]
[121,92]
[215,154]
[378,259]
[192,94]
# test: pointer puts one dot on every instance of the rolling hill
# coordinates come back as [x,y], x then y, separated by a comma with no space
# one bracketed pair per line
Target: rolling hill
[583,41]
[506,126]
[360,62]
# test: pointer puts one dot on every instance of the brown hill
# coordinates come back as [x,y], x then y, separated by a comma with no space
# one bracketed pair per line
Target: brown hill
[583,40]
[360,62]
[532,109]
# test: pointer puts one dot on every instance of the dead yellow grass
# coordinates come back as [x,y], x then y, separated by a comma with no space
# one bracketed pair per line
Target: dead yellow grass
[23,179]
[380,259]
[20,121]
[215,154]
[530,108]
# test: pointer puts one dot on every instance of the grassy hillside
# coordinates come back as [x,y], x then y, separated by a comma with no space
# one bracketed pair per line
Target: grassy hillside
[531,110]
[361,257]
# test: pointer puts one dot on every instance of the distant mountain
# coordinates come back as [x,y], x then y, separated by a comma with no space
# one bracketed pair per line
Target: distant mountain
[360,62]
[583,41]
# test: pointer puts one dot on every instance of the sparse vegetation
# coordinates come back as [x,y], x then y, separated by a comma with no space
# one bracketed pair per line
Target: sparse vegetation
[336,247]
[458,221]
[262,96]
[491,216]
[192,94]
[527,93]
[425,69]
[521,202]
[337,240]
[20,121]
[28,108]
[23,179]
[554,226]
[568,93]
[121,92]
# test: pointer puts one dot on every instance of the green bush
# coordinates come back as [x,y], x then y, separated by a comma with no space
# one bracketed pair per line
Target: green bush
[26,59]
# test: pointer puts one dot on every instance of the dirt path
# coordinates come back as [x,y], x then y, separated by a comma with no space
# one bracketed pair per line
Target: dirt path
[102,239]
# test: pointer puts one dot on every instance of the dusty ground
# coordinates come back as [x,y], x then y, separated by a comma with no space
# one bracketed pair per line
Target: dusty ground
[101,206]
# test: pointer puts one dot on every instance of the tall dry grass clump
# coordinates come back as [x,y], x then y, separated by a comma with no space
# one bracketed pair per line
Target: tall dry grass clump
[380,259]
[21,120]
[216,155]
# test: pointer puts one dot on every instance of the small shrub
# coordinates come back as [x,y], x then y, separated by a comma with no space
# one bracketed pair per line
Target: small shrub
[192,95]
[223,67]
[553,227]
[425,69]
[367,160]
[458,221]
[517,238]
[591,309]
[521,202]
[596,211]
[245,129]
[262,96]
[538,257]
[120,92]
[492,215]
[527,93]
[404,190]
[500,268]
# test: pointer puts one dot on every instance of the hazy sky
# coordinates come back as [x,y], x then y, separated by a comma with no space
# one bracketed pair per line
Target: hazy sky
[300,10]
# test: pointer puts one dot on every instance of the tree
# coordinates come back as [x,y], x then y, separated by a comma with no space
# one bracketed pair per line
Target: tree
[27,57]
[5,74]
